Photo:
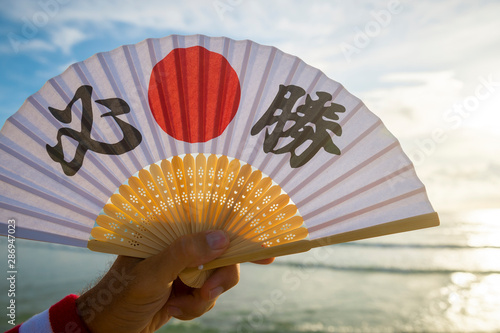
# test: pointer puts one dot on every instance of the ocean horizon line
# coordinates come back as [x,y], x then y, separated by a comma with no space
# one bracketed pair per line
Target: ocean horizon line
[375,269]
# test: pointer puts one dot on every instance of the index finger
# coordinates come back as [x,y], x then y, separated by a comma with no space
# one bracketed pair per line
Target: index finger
[264,261]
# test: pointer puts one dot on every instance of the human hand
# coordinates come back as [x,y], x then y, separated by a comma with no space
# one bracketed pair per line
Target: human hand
[141,295]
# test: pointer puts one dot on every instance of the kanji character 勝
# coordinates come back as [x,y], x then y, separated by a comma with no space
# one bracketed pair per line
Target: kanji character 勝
[117,106]
[311,121]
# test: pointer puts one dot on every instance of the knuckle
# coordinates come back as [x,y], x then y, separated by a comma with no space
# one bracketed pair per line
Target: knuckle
[211,306]
[235,278]
[193,313]
[187,247]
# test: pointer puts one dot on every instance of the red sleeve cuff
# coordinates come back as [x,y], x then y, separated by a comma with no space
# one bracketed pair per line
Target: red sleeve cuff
[60,317]
[64,316]
[14,330]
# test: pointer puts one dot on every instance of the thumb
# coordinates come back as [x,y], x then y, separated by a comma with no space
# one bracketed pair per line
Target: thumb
[190,251]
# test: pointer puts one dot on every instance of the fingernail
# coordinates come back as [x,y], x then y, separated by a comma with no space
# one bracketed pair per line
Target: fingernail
[215,292]
[174,311]
[216,239]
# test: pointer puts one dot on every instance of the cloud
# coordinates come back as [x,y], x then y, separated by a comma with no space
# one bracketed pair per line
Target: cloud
[59,40]
[19,44]
[464,186]
[64,24]
[424,36]
[460,172]
[312,30]
[66,39]
[411,103]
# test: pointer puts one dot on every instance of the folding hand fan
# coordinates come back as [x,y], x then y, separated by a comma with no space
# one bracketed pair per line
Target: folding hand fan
[130,149]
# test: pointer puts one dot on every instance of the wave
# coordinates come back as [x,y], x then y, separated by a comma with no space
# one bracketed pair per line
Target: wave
[374,269]
[419,246]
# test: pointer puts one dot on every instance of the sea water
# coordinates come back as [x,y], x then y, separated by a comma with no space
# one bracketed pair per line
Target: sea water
[444,279]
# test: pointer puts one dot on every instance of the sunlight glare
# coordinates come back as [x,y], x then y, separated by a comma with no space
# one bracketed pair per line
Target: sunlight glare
[486,238]
[487,116]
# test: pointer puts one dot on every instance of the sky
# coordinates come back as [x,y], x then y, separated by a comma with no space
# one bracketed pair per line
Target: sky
[429,69]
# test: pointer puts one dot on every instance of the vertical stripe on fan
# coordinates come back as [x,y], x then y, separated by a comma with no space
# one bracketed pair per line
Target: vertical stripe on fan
[42,215]
[39,191]
[179,42]
[43,236]
[220,99]
[355,193]
[25,158]
[92,199]
[152,46]
[152,49]
[180,68]
[142,91]
[349,172]
[229,139]
[364,210]
[50,171]
[256,102]
[202,93]
[364,168]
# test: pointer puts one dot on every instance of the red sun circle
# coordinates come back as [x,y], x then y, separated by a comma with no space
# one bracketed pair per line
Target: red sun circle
[194,94]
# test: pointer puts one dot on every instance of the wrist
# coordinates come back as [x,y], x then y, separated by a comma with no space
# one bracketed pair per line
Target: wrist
[102,307]
[89,311]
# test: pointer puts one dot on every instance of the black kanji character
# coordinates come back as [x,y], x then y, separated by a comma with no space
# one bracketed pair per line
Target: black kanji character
[117,106]
[311,121]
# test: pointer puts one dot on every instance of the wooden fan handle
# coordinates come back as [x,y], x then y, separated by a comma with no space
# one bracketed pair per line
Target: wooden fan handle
[195,278]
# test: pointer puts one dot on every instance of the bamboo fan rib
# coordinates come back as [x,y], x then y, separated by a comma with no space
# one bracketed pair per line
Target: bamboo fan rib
[189,194]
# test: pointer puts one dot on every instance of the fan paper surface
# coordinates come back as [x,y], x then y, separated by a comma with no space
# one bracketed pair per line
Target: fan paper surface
[78,150]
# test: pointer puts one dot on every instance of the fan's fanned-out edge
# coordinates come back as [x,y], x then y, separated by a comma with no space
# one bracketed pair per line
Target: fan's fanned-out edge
[403,225]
